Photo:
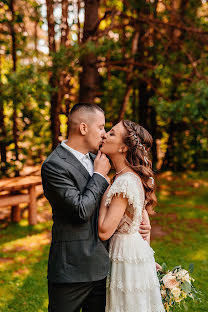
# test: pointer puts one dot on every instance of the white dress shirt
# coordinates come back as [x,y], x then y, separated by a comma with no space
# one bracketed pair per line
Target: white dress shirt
[85,159]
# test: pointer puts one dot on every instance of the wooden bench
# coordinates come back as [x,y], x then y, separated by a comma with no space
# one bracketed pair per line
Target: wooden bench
[14,191]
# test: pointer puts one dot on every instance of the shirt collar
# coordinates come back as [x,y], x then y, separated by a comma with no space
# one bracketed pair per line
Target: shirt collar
[76,153]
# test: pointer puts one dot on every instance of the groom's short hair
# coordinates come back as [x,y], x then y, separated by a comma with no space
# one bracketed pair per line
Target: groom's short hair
[84,109]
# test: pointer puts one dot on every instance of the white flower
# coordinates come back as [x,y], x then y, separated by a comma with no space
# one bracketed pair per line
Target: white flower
[183,275]
[176,293]
[170,281]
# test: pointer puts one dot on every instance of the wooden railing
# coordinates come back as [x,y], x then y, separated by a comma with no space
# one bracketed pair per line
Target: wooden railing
[14,191]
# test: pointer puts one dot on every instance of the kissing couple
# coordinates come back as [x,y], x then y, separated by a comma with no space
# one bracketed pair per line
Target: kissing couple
[100,258]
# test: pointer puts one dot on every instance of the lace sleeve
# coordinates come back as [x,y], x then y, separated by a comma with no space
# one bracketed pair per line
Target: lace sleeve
[130,186]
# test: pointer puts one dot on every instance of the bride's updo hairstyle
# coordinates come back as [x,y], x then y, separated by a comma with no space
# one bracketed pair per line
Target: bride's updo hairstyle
[139,141]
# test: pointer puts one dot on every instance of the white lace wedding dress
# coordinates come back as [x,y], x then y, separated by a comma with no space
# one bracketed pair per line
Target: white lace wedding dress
[132,283]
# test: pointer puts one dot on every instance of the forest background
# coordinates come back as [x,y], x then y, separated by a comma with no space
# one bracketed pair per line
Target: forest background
[142,60]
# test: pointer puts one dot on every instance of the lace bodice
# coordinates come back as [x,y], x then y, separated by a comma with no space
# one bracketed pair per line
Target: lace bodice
[128,185]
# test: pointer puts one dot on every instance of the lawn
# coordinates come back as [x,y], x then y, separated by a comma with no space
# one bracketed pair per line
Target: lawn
[179,236]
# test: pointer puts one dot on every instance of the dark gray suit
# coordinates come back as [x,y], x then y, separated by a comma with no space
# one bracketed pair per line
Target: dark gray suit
[77,256]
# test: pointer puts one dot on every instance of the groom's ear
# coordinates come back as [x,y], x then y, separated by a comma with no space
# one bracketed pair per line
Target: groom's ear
[83,128]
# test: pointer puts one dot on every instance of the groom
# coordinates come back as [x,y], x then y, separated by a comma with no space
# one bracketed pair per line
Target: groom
[74,181]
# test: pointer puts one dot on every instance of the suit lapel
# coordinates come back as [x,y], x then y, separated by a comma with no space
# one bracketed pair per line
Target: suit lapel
[72,160]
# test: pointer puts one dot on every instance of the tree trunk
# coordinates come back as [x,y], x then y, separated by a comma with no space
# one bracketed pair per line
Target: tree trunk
[64,23]
[2,129]
[2,138]
[143,96]
[53,79]
[147,113]
[153,131]
[196,155]
[167,161]
[129,78]
[64,86]
[78,22]
[55,110]
[143,104]
[134,105]
[153,113]
[89,77]
[51,26]
[14,67]
[36,17]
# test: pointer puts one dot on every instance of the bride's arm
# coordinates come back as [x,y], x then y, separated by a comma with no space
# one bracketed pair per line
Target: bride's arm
[109,217]
[103,209]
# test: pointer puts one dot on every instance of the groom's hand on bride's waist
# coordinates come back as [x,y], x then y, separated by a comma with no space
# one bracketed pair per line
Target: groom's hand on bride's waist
[145,230]
[145,227]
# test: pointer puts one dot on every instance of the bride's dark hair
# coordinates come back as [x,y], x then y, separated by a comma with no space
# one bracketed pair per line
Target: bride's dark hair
[139,141]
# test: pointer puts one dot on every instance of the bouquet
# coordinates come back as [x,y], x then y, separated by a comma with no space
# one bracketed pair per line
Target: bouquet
[176,286]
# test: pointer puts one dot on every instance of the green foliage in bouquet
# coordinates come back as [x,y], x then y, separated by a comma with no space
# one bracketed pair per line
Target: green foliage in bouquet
[176,286]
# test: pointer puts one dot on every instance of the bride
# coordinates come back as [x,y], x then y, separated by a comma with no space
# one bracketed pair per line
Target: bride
[132,283]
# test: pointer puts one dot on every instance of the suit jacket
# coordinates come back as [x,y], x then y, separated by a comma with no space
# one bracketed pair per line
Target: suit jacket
[76,253]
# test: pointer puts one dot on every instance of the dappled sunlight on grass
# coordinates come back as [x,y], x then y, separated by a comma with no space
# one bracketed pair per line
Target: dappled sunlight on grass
[27,283]
[27,243]
[23,267]
[44,306]
[22,229]
[201,254]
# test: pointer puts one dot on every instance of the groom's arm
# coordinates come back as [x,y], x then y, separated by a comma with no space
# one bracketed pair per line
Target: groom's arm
[60,188]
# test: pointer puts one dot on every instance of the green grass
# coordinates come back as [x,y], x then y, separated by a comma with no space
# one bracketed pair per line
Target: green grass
[23,283]
[182,215]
